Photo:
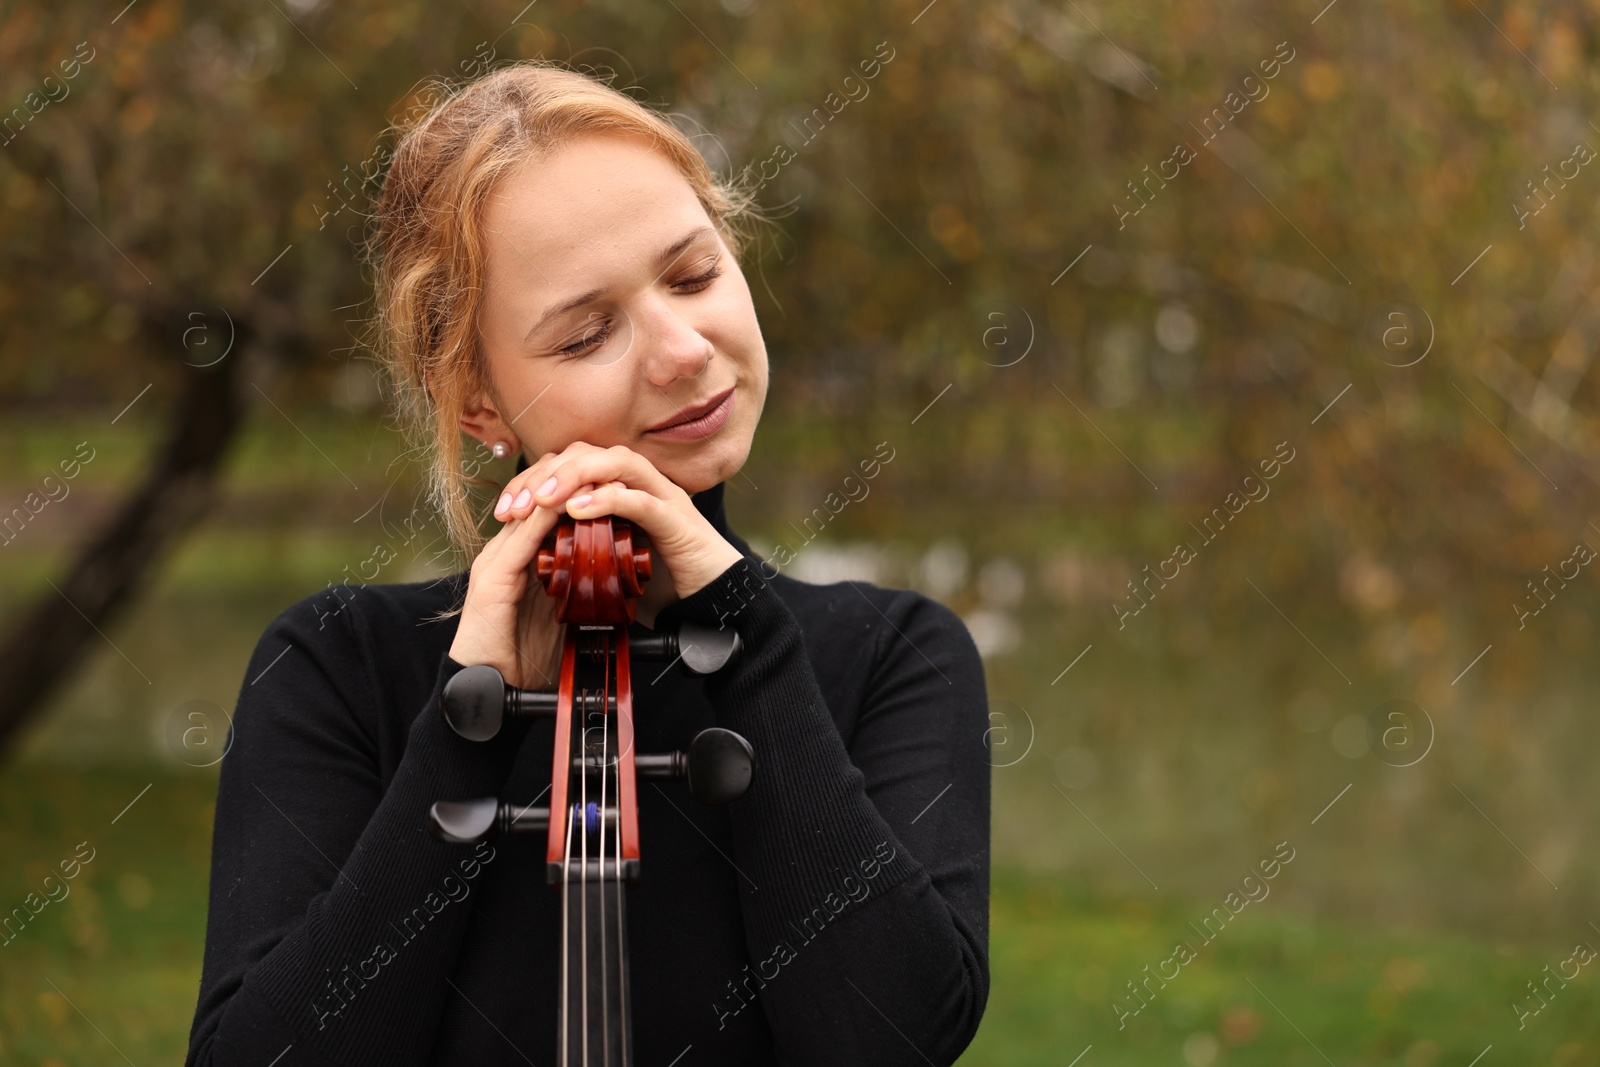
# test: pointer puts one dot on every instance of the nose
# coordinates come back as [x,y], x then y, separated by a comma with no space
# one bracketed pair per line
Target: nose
[672,345]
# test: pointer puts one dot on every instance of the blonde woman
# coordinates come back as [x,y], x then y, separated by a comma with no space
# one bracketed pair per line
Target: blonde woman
[558,277]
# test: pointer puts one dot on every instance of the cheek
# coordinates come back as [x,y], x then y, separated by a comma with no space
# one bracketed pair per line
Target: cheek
[596,404]
[738,330]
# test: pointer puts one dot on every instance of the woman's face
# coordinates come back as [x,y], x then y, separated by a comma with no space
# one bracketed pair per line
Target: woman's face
[611,307]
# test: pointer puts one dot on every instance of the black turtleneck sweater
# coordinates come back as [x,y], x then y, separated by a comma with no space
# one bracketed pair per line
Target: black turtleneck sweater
[838,913]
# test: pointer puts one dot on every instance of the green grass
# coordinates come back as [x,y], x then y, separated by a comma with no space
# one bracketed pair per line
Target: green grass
[121,953]
[1357,996]
[122,949]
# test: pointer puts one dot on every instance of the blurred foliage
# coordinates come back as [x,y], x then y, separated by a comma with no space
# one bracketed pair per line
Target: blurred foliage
[931,222]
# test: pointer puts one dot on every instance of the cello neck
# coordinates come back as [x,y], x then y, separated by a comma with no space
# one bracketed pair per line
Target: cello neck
[596,1024]
[596,570]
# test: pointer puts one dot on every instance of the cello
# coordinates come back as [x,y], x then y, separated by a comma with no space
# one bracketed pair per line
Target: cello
[595,569]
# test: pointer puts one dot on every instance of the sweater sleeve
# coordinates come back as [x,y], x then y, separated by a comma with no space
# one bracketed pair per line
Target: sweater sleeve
[867,923]
[334,917]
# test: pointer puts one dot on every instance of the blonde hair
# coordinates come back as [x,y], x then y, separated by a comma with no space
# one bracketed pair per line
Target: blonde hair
[427,248]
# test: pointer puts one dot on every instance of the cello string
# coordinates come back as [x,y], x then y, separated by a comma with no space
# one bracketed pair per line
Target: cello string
[566,929]
[617,889]
[605,776]
[583,908]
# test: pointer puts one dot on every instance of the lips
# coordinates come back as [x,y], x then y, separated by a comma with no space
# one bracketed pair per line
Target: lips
[694,411]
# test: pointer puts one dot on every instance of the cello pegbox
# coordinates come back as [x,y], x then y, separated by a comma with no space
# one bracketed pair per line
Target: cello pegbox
[595,570]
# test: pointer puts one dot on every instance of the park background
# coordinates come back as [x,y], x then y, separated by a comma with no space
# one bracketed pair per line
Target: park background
[1379,259]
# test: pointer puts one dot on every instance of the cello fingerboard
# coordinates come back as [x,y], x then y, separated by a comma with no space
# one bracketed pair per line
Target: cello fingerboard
[596,1023]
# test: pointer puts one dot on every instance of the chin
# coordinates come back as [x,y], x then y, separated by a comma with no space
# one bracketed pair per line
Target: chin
[714,461]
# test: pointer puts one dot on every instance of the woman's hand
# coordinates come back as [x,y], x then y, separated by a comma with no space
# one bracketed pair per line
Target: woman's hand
[592,482]
[504,621]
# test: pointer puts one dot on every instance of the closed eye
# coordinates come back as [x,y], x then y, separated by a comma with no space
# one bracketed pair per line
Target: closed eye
[695,285]
[597,334]
[592,338]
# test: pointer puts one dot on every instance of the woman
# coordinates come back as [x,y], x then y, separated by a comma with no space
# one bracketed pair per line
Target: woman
[557,277]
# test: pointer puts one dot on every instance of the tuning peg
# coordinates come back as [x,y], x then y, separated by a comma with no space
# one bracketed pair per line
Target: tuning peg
[701,648]
[477,699]
[720,766]
[466,822]
[474,702]
[707,651]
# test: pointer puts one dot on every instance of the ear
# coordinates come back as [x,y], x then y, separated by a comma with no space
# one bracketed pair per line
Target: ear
[480,419]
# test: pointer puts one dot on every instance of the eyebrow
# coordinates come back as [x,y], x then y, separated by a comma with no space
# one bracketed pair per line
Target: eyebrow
[667,254]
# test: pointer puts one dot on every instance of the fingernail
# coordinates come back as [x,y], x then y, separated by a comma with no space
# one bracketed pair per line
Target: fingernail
[548,487]
[505,502]
[580,501]
[522,498]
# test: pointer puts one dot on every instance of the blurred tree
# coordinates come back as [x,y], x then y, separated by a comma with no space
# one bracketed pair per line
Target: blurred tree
[209,167]
[185,180]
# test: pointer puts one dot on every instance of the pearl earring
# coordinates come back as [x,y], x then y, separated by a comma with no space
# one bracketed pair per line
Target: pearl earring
[501,450]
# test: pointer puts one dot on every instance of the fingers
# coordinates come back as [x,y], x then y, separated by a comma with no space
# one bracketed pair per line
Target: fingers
[505,621]
[687,544]
[508,553]
[616,498]
[578,468]
[569,476]
[517,498]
